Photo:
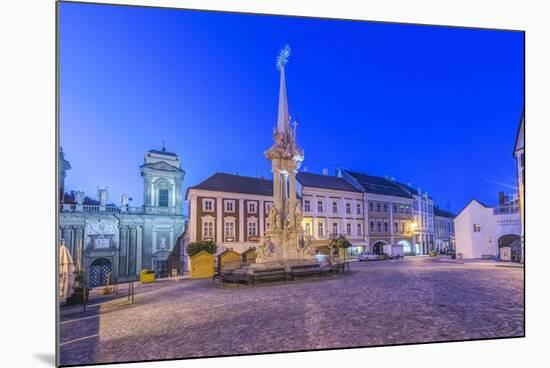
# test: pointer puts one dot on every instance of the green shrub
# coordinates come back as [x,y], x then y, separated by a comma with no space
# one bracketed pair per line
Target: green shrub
[433,253]
[197,247]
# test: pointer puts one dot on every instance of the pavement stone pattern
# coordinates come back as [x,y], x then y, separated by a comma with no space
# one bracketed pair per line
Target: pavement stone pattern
[412,300]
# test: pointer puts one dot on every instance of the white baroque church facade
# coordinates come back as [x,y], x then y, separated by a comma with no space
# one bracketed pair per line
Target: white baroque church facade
[116,241]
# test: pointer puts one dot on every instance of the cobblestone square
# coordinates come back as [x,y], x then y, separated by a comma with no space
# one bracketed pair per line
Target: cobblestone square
[377,303]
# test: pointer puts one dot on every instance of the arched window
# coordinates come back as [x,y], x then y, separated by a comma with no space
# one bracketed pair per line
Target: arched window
[163,193]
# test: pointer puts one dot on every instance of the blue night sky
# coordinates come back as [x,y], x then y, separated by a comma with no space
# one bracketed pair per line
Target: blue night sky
[435,106]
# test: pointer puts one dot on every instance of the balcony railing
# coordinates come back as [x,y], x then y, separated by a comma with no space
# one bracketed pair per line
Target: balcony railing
[505,210]
[97,208]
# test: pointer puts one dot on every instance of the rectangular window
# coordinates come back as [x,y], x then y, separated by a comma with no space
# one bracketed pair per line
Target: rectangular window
[229,229]
[308,229]
[395,208]
[358,209]
[477,228]
[371,226]
[320,230]
[207,205]
[334,228]
[348,208]
[307,205]
[359,230]
[386,227]
[229,206]
[252,228]
[379,226]
[163,197]
[385,207]
[378,207]
[252,207]
[268,206]
[334,207]
[319,206]
[371,206]
[395,227]
[207,229]
[348,229]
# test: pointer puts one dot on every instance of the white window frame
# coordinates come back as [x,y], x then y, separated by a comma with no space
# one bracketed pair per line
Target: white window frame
[227,202]
[207,231]
[307,205]
[229,221]
[348,208]
[307,226]
[321,230]
[252,221]
[252,207]
[348,229]
[206,201]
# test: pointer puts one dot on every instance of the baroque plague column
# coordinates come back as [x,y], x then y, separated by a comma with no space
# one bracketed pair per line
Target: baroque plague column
[283,239]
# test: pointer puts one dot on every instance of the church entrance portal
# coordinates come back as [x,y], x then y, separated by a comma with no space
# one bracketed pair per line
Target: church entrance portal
[100,271]
[161,269]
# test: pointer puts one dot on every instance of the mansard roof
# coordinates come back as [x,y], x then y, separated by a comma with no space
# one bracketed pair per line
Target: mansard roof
[325,182]
[441,213]
[379,185]
[231,183]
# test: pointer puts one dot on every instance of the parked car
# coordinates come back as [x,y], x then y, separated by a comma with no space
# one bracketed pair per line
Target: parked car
[368,256]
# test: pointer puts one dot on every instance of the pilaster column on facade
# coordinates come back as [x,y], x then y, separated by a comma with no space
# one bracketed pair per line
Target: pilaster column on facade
[392,229]
[192,224]
[261,216]
[365,218]
[139,253]
[78,242]
[219,220]
[313,205]
[292,194]
[123,250]
[147,191]
[67,233]
[241,220]
[132,250]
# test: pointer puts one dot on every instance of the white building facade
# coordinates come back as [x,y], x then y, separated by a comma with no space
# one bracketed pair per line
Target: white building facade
[488,232]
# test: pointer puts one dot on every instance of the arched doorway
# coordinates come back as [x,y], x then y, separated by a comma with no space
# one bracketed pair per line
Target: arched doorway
[100,271]
[509,247]
[378,247]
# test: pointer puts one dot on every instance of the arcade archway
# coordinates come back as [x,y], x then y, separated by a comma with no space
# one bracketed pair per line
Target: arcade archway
[378,247]
[509,247]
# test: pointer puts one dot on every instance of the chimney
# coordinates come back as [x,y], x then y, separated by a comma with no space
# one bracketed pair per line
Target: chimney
[103,195]
[325,171]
